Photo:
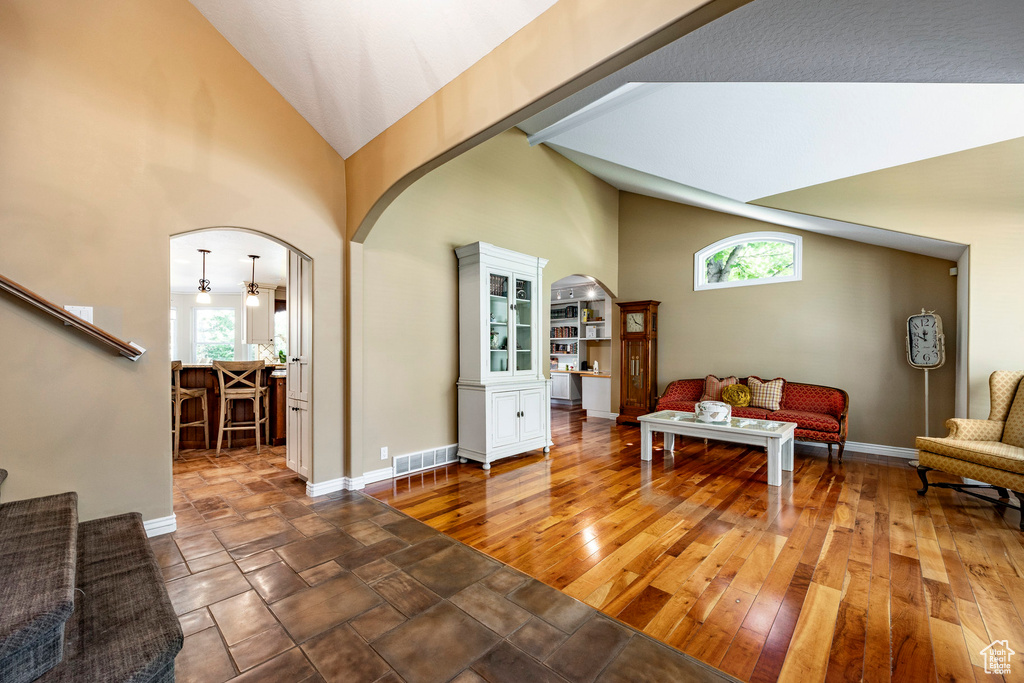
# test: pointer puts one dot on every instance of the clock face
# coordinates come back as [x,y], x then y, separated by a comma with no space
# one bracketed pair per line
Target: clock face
[923,334]
[635,322]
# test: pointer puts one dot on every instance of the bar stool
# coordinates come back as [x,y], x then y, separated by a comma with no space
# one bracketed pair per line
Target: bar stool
[241,381]
[178,396]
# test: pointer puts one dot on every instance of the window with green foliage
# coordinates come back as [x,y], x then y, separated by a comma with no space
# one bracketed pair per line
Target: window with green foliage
[755,258]
[213,334]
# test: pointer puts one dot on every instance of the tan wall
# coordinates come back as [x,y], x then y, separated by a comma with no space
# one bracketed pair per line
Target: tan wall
[842,325]
[503,192]
[972,197]
[124,123]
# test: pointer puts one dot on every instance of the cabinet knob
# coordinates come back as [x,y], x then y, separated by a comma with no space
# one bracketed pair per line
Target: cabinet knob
[296,360]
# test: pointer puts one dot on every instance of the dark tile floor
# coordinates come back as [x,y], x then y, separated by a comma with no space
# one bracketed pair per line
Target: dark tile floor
[271,585]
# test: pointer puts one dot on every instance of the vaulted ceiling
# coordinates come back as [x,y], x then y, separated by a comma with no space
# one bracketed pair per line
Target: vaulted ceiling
[780,95]
[775,96]
[353,67]
[751,140]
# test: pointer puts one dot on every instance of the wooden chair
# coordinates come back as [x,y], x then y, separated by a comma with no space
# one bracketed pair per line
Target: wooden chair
[241,381]
[178,396]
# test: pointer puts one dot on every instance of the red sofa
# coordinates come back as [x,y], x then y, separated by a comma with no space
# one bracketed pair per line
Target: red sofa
[820,413]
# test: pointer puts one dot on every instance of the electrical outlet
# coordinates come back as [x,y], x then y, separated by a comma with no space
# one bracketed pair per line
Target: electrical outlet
[383,452]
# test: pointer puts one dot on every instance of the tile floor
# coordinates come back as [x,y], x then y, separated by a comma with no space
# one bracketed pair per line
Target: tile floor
[271,585]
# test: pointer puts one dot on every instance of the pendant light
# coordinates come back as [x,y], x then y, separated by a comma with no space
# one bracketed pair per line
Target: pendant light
[203,297]
[254,291]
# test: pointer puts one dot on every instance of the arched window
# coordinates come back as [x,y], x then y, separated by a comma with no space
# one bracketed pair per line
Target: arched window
[754,258]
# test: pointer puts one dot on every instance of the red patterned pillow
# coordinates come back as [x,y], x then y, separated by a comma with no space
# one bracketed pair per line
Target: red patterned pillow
[713,387]
[767,395]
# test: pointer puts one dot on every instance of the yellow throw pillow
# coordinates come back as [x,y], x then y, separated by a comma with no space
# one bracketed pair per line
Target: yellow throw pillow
[736,395]
[767,395]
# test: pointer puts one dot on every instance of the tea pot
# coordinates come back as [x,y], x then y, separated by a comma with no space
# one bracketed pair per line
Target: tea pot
[712,411]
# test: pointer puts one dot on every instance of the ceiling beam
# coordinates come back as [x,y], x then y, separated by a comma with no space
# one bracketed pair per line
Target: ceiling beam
[638,182]
[570,46]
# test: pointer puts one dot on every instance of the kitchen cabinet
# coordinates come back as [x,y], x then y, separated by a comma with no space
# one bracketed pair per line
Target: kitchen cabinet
[203,377]
[299,387]
[502,392]
[258,321]
[565,387]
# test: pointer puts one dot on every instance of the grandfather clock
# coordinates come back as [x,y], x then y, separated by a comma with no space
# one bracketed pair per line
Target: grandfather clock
[638,375]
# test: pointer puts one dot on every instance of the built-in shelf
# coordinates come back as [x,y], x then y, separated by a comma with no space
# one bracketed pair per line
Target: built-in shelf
[597,306]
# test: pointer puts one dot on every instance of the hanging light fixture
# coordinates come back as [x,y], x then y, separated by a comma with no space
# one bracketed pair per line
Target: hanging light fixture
[254,291]
[203,297]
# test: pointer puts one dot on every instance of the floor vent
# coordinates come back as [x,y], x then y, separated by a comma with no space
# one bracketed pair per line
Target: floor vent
[425,460]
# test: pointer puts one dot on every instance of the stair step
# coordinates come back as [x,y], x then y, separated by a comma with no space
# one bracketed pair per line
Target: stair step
[38,540]
[123,627]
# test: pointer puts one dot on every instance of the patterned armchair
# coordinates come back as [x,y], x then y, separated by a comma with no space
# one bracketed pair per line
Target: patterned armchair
[989,450]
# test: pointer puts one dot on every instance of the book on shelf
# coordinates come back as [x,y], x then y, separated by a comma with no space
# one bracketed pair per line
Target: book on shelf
[499,285]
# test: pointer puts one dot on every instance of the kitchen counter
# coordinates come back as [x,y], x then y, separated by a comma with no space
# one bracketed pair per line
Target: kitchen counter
[584,373]
[202,376]
[576,387]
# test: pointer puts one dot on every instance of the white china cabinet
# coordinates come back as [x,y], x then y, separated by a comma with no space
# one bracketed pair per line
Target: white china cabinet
[504,398]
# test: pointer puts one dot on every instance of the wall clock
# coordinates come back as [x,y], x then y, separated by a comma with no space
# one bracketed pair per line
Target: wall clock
[926,348]
[926,344]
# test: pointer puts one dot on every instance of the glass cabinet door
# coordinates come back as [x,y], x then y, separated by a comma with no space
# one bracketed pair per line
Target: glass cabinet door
[525,301]
[499,327]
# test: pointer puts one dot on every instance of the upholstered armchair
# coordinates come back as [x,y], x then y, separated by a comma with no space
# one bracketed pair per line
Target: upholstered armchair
[990,451]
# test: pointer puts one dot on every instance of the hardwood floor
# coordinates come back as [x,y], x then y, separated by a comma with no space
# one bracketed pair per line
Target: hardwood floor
[272,586]
[842,573]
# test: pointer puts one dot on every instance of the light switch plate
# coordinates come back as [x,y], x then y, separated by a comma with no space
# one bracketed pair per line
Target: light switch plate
[83,312]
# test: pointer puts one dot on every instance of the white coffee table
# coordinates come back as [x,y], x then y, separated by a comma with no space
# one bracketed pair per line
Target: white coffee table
[774,437]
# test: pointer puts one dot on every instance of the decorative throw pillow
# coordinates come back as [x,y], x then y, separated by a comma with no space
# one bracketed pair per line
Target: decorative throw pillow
[767,395]
[736,395]
[1013,431]
[713,387]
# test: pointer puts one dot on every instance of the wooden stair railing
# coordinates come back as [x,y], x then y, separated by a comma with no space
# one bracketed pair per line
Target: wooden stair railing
[129,350]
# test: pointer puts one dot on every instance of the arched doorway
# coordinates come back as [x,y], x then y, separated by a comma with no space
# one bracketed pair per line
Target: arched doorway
[242,295]
[581,346]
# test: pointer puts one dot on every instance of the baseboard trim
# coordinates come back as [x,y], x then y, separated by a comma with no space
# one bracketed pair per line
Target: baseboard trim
[331,485]
[160,526]
[604,415]
[870,448]
[378,475]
